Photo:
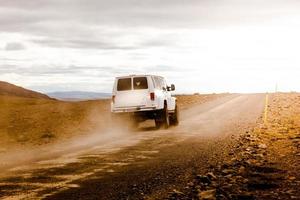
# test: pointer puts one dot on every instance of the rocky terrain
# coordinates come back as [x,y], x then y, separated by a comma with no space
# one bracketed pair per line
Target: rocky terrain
[264,163]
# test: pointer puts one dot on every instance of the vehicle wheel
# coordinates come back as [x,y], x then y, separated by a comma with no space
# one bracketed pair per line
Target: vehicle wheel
[174,118]
[165,117]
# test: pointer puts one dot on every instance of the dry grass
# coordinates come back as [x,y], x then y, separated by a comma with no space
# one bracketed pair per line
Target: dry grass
[31,121]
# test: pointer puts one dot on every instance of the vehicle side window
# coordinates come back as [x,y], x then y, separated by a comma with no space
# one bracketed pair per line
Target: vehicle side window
[162,83]
[154,82]
[157,83]
[124,84]
[140,83]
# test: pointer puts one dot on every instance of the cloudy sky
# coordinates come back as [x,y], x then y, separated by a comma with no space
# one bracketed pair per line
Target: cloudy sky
[200,45]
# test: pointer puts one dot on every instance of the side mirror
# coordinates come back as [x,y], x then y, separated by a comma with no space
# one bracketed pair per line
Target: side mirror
[171,88]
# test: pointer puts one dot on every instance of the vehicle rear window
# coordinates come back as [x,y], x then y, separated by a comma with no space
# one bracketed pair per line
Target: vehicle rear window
[140,83]
[124,84]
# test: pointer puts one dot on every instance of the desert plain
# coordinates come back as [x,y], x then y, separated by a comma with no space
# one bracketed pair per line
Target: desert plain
[227,146]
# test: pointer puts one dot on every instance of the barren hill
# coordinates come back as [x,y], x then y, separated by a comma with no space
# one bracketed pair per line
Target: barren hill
[13,90]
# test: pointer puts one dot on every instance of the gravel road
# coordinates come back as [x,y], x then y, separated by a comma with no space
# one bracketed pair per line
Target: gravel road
[145,164]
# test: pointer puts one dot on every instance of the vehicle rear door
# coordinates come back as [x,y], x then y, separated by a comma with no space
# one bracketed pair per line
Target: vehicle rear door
[132,92]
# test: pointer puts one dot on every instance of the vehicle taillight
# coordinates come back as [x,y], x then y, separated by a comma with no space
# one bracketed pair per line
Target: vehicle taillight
[113,98]
[152,96]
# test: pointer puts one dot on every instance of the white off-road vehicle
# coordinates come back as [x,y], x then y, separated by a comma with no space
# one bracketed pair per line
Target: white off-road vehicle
[142,97]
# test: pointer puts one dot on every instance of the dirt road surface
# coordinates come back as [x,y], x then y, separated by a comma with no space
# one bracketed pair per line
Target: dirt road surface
[145,164]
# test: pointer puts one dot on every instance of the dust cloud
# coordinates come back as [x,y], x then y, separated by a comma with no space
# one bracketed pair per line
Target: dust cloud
[96,131]
[113,136]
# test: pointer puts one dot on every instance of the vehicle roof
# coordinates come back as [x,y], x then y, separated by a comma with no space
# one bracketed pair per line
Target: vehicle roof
[137,75]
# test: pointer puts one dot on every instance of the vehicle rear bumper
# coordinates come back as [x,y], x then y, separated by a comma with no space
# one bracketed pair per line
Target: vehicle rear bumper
[133,109]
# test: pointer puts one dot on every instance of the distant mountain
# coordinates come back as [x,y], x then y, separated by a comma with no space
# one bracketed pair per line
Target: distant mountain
[78,95]
[13,90]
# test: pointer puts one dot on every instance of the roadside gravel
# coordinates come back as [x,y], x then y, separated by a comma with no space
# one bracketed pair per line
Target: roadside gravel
[264,163]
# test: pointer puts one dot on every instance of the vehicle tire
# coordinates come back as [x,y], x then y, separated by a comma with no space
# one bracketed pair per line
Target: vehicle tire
[165,117]
[174,118]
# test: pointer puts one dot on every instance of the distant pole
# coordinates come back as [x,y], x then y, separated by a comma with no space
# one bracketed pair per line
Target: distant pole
[276,88]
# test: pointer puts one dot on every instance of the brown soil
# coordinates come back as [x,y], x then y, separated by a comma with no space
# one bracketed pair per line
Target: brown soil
[34,121]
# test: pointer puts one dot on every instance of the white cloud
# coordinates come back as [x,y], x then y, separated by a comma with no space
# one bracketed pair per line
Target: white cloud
[14,46]
[236,46]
